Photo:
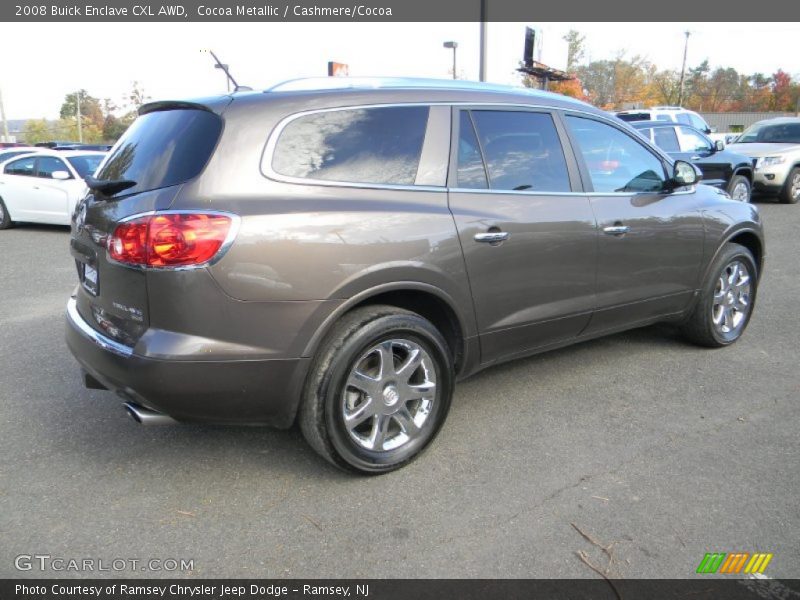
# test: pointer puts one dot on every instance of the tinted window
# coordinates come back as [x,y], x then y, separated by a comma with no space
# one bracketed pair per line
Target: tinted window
[522,151]
[616,161]
[683,118]
[163,148]
[23,166]
[694,140]
[666,139]
[48,164]
[364,145]
[642,116]
[85,164]
[470,173]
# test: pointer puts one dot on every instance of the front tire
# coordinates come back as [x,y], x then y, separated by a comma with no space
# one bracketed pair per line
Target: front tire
[726,301]
[790,193]
[5,217]
[739,188]
[378,390]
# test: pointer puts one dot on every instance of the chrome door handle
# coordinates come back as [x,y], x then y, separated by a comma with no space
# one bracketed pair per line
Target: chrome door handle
[492,237]
[616,230]
[695,158]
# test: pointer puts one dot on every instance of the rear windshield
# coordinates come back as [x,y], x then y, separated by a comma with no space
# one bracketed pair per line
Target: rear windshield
[163,148]
[86,164]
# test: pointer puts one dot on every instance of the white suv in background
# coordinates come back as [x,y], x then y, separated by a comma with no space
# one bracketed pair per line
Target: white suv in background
[673,114]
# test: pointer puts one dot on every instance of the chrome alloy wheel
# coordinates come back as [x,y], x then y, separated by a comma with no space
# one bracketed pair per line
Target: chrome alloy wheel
[389,395]
[2,212]
[731,298]
[795,190]
[741,192]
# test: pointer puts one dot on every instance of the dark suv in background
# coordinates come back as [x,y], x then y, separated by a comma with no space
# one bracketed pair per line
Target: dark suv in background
[341,252]
[722,168]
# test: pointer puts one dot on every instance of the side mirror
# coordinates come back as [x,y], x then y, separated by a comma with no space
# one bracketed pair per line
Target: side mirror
[719,145]
[684,173]
[60,175]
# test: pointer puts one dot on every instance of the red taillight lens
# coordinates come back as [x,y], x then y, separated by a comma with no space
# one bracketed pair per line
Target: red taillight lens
[169,239]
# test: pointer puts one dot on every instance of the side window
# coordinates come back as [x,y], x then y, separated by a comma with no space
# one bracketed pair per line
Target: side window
[664,118]
[666,139]
[684,118]
[22,166]
[48,164]
[616,161]
[698,123]
[361,145]
[470,173]
[693,141]
[522,151]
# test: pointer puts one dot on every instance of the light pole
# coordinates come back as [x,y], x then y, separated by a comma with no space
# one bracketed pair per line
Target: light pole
[683,68]
[454,46]
[78,114]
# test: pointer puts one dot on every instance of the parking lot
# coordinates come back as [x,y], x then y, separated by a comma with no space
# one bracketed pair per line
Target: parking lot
[656,450]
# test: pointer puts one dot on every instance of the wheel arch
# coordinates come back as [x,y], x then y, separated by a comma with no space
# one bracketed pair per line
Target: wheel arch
[424,299]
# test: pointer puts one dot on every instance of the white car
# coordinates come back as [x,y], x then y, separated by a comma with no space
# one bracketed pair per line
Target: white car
[670,114]
[45,186]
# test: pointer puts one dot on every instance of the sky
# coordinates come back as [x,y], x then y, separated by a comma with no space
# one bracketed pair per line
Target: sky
[168,62]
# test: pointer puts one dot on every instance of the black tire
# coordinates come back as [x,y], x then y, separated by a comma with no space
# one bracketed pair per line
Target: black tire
[700,327]
[789,193]
[322,410]
[739,180]
[5,217]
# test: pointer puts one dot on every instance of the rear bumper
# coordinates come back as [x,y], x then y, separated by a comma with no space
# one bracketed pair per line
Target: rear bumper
[231,391]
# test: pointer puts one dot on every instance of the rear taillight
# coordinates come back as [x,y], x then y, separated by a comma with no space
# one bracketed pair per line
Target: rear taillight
[170,239]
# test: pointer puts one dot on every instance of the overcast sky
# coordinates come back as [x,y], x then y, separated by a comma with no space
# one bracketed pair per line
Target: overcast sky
[166,58]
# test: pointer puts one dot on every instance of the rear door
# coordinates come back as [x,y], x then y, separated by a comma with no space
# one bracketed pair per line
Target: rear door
[50,198]
[164,147]
[526,228]
[650,240]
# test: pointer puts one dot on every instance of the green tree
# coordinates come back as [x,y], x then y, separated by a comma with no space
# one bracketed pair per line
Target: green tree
[36,130]
[575,48]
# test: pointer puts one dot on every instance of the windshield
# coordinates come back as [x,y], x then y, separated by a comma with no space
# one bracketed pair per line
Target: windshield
[85,164]
[162,149]
[771,133]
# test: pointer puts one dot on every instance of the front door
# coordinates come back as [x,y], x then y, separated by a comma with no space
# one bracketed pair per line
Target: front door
[650,240]
[527,230]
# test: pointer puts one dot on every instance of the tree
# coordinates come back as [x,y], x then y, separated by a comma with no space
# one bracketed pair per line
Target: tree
[35,131]
[137,96]
[572,88]
[575,49]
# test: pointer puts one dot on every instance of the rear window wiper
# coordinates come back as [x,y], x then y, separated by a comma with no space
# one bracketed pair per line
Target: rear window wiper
[108,187]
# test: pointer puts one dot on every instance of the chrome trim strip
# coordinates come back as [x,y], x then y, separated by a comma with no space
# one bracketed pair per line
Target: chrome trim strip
[106,343]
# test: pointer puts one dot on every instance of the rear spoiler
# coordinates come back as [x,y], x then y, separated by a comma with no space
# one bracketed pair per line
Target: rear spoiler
[213,105]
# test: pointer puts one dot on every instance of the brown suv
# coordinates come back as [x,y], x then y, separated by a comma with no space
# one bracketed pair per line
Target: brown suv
[341,252]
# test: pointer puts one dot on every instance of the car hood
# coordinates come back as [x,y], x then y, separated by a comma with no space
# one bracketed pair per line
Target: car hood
[758,150]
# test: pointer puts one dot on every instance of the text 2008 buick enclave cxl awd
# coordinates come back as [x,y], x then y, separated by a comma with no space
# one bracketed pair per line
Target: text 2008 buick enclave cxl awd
[341,253]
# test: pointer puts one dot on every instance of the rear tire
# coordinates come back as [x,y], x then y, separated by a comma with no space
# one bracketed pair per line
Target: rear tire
[5,217]
[790,193]
[726,301]
[378,391]
[739,188]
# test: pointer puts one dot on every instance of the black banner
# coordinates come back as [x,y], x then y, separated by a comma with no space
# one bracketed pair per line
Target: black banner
[394,10]
[394,589]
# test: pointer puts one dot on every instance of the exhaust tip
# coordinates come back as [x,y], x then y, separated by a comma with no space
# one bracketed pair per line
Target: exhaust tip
[145,416]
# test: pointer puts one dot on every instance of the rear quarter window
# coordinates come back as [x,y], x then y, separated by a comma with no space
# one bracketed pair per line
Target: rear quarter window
[380,145]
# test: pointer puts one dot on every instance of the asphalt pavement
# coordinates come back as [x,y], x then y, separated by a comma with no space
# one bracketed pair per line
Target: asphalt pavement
[639,443]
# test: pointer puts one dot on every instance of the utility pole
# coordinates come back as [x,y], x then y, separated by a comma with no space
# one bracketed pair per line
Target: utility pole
[454,47]
[484,41]
[6,136]
[78,112]
[683,68]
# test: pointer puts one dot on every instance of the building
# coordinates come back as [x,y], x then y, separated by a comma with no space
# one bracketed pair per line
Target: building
[736,122]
